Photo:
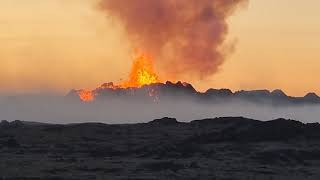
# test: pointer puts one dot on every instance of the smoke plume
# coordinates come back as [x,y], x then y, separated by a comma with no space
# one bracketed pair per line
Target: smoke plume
[186,35]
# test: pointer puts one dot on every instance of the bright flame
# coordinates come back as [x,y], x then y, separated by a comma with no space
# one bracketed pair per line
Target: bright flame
[142,73]
[86,95]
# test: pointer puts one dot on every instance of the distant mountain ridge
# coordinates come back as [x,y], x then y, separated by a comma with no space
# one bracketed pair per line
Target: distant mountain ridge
[183,90]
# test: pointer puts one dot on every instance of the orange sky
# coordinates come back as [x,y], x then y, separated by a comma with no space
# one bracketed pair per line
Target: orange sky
[57,45]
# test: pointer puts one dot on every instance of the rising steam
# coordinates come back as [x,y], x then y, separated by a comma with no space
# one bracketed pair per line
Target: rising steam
[185,34]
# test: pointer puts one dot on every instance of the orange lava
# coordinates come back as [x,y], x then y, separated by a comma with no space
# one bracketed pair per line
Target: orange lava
[86,95]
[142,73]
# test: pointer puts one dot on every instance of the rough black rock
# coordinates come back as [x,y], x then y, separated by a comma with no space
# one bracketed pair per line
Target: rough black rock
[220,148]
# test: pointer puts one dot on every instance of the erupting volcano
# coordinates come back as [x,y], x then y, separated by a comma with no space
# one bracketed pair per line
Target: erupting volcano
[188,37]
[142,73]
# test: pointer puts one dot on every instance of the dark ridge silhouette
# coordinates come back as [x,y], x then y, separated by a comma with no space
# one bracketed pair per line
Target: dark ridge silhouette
[311,97]
[278,93]
[218,92]
[164,121]
[182,90]
[219,148]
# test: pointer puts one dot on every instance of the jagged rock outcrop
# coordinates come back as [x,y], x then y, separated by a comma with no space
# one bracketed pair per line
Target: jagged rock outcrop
[182,90]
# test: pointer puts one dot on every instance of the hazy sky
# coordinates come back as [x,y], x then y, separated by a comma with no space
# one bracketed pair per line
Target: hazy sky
[57,45]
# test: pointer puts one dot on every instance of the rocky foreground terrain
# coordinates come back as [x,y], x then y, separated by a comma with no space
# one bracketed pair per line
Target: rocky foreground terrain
[222,148]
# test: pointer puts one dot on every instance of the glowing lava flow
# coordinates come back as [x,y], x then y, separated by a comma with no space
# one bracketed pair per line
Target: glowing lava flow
[142,73]
[86,95]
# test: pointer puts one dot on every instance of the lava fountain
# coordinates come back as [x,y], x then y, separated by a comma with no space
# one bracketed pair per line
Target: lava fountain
[142,73]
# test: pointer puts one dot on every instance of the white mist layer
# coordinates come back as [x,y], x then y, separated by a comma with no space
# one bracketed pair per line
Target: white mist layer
[54,109]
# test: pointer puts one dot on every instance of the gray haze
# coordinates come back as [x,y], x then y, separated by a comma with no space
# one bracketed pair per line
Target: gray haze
[57,109]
